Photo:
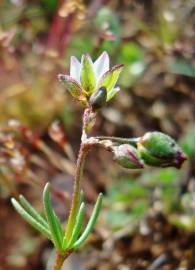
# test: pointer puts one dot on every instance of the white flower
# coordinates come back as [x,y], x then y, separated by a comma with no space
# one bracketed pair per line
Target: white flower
[87,77]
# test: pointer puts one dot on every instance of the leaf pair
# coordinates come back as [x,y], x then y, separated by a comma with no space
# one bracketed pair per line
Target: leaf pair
[51,227]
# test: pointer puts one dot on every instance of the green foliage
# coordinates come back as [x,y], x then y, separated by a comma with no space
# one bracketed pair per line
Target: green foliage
[78,226]
[33,222]
[91,223]
[51,228]
[52,219]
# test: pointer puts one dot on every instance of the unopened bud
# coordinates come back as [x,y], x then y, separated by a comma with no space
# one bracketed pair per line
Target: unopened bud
[98,99]
[127,156]
[159,150]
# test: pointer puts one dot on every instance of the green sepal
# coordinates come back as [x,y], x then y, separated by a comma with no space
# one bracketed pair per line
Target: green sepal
[91,222]
[110,78]
[34,223]
[71,84]
[127,156]
[98,98]
[52,219]
[112,93]
[77,227]
[88,80]
[31,210]
[151,160]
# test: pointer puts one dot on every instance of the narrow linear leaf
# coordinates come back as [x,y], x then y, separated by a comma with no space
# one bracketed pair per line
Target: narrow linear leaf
[81,197]
[91,222]
[52,219]
[77,227]
[31,210]
[69,227]
[30,219]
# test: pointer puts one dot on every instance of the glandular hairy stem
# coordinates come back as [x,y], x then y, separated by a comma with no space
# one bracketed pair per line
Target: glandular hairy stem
[77,189]
[84,148]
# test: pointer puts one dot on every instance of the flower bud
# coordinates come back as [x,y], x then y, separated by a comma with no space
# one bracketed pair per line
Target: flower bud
[159,150]
[127,156]
[98,99]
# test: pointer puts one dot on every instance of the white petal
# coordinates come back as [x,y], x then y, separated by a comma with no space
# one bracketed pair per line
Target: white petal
[101,65]
[75,68]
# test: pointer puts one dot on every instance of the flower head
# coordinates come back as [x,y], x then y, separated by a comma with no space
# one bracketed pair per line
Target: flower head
[87,77]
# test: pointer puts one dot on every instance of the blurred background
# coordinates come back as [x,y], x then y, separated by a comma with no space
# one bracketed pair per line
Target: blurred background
[148,217]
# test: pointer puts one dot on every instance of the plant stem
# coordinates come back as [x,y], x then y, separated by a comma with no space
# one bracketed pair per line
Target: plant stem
[60,258]
[84,148]
[132,141]
[77,188]
[58,262]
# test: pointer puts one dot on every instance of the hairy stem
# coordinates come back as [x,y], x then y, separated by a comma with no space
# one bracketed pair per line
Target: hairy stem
[77,188]
[84,148]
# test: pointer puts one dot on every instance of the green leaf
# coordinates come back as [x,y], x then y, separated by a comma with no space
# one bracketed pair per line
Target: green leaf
[88,80]
[91,222]
[64,244]
[30,219]
[31,210]
[81,197]
[110,78]
[78,226]
[52,219]
[71,84]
